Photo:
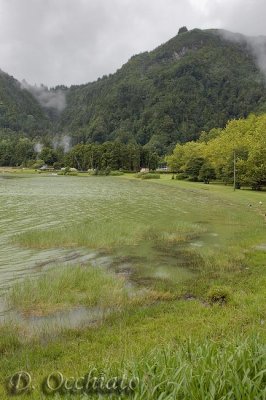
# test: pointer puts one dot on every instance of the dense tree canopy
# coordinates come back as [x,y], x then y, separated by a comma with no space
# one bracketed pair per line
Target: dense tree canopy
[213,155]
[195,82]
[18,109]
[18,150]
[113,155]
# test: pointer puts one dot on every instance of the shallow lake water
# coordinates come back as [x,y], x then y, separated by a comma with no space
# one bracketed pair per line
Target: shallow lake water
[40,203]
[30,202]
[43,202]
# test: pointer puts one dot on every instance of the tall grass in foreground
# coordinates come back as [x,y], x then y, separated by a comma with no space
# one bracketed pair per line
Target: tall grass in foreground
[190,371]
[68,287]
[65,287]
[232,371]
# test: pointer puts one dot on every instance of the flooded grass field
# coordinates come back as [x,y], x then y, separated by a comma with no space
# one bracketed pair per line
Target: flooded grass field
[118,267]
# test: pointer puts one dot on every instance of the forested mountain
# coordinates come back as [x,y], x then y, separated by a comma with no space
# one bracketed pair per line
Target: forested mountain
[19,111]
[198,80]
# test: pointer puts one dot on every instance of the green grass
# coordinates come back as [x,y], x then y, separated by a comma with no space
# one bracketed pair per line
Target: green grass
[66,287]
[204,372]
[90,234]
[231,368]
[182,244]
[63,288]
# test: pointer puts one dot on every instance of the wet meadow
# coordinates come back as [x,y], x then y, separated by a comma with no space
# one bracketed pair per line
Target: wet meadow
[160,279]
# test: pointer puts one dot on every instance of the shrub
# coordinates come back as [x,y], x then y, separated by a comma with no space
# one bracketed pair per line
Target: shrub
[66,170]
[181,176]
[102,172]
[57,165]
[116,173]
[38,164]
[147,175]
[72,173]
[107,171]
[219,295]
[150,176]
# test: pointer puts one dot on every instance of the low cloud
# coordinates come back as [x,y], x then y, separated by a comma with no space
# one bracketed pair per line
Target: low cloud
[255,45]
[258,48]
[72,42]
[48,98]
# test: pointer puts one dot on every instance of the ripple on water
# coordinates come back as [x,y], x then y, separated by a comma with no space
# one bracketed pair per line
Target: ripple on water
[32,263]
[41,202]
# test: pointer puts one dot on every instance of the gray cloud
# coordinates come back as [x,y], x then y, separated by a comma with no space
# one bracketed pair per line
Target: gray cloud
[76,41]
[255,44]
[258,47]
[54,99]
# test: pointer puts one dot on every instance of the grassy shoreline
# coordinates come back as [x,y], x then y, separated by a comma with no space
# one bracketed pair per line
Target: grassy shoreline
[178,241]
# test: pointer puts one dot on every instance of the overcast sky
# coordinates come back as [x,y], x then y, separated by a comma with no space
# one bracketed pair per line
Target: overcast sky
[76,41]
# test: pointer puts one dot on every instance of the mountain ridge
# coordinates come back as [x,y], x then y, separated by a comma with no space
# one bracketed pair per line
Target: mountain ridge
[196,81]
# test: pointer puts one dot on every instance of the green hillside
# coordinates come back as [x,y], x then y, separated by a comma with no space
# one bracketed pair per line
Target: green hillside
[19,111]
[196,81]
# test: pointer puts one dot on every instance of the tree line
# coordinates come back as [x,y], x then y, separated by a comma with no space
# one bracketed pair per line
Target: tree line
[111,155]
[242,144]
[18,150]
[194,82]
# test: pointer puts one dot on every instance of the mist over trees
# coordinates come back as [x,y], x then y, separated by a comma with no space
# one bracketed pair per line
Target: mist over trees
[21,151]
[196,81]
[186,90]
